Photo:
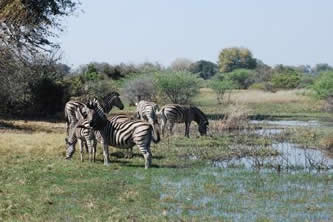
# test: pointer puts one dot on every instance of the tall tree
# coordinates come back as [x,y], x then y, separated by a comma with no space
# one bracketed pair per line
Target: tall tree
[205,69]
[235,58]
[29,24]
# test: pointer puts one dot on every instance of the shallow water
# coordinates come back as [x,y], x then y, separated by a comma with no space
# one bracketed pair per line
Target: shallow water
[294,123]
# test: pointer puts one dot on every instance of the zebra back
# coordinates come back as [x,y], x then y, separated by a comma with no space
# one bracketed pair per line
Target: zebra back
[147,110]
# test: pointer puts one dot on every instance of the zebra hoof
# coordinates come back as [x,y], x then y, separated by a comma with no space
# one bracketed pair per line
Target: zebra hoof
[68,158]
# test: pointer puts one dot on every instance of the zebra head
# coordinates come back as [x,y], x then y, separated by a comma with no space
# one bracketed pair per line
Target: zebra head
[113,99]
[201,119]
[203,128]
[96,118]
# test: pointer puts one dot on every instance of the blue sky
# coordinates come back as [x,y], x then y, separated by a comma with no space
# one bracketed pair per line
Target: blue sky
[293,32]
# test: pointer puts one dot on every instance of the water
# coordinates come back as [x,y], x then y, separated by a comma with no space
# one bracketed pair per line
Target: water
[291,155]
[294,123]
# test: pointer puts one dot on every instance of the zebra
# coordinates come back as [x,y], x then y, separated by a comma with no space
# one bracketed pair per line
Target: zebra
[147,111]
[123,135]
[119,118]
[74,109]
[81,135]
[175,113]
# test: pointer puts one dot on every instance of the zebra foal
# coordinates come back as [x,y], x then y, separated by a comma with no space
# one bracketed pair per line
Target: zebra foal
[81,135]
[175,113]
[124,134]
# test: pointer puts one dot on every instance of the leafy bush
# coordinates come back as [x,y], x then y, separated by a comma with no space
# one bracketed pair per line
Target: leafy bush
[178,87]
[242,78]
[289,80]
[285,77]
[306,81]
[323,86]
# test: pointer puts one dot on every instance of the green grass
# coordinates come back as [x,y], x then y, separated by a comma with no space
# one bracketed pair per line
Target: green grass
[51,189]
[37,184]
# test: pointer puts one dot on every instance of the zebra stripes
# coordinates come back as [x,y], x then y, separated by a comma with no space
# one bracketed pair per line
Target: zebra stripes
[147,111]
[174,113]
[123,134]
[83,136]
[74,109]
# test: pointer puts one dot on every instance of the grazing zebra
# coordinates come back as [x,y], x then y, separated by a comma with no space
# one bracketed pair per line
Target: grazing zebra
[81,135]
[74,109]
[175,113]
[123,135]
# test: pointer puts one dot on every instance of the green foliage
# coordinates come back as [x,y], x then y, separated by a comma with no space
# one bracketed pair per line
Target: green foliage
[242,78]
[178,87]
[30,24]
[286,80]
[323,86]
[235,58]
[205,69]
[220,87]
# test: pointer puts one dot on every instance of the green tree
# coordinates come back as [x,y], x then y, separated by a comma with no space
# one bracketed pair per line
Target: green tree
[205,69]
[30,24]
[235,58]
[178,87]
[323,86]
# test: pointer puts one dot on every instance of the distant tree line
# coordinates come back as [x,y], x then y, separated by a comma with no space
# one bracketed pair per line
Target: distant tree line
[34,83]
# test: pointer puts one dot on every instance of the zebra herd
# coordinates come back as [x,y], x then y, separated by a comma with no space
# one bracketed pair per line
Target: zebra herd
[87,124]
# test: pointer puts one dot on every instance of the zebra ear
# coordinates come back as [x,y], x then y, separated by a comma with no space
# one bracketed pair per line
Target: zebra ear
[136,104]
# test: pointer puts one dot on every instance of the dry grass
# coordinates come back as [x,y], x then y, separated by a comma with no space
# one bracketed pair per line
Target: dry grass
[258,96]
[236,117]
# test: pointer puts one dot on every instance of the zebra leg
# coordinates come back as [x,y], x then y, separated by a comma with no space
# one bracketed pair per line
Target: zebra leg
[147,155]
[106,154]
[94,150]
[172,124]
[81,149]
[187,129]
[90,149]
[163,124]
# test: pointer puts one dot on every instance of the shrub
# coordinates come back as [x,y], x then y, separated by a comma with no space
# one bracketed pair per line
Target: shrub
[221,87]
[285,77]
[242,78]
[323,86]
[140,88]
[178,87]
